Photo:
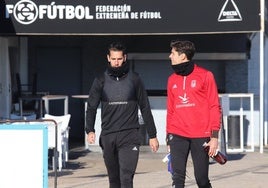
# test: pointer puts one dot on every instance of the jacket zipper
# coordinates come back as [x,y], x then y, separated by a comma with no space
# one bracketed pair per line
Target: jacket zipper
[184,83]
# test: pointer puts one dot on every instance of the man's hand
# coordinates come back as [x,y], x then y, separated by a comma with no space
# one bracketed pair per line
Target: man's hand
[91,137]
[153,142]
[213,147]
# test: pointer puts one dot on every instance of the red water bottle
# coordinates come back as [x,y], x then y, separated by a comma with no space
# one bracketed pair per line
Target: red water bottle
[219,157]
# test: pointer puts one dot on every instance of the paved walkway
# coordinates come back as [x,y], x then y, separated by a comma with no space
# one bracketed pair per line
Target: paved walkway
[86,169]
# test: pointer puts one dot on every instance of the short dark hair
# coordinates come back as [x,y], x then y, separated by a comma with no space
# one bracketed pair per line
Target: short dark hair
[185,47]
[117,46]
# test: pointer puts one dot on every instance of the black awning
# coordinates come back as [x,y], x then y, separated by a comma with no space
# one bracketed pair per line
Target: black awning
[127,17]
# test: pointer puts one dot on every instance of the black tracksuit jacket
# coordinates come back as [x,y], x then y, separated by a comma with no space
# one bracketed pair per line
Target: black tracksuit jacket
[120,100]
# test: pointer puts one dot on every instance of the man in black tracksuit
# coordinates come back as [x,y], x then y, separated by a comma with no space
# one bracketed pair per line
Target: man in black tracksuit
[121,93]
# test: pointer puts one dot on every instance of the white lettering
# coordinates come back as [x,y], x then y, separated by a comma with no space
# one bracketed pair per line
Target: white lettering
[79,12]
[113,8]
[229,13]
[185,105]
[150,15]
[52,11]
[134,15]
[87,13]
[42,11]
[69,12]
[61,9]
[118,103]
[114,15]
[9,10]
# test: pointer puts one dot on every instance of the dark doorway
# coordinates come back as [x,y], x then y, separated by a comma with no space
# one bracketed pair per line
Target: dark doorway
[59,73]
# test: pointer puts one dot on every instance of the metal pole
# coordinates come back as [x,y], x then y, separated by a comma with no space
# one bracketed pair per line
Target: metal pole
[262,74]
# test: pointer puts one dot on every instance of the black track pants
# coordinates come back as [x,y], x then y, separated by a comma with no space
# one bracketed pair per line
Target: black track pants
[121,153]
[179,150]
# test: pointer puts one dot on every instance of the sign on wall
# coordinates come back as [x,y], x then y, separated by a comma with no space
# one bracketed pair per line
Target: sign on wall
[128,16]
[24,155]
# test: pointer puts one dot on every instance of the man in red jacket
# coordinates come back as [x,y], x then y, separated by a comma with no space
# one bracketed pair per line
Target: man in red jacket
[193,115]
